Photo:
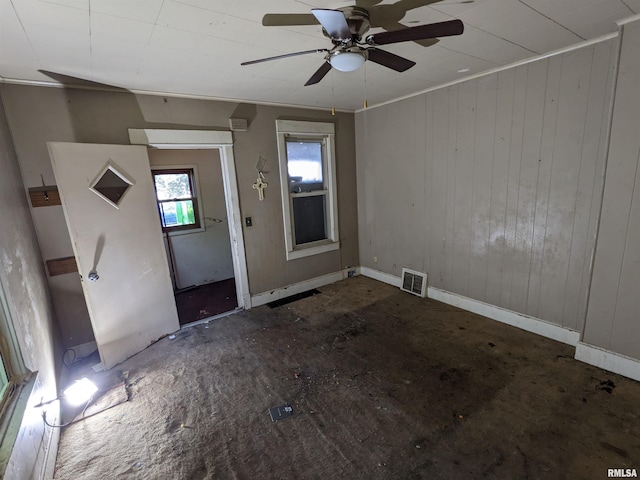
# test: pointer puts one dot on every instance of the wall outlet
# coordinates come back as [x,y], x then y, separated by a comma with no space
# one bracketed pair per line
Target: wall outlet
[248,222]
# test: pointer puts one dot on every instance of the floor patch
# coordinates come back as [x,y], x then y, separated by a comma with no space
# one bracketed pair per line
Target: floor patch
[293,298]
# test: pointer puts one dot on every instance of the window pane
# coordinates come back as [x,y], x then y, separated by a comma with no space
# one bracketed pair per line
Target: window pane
[175,214]
[304,165]
[111,186]
[309,219]
[172,185]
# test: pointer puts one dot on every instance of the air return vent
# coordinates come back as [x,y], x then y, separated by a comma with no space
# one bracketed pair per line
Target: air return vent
[414,282]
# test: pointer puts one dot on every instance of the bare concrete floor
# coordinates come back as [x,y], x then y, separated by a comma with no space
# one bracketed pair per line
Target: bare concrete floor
[384,385]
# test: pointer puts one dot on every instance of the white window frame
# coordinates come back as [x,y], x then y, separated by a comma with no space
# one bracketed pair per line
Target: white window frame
[312,131]
[13,404]
[198,197]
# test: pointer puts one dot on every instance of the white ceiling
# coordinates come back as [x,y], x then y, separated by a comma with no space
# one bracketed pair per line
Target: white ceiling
[195,46]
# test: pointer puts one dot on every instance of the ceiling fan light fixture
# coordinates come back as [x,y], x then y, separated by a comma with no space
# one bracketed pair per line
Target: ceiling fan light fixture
[347,61]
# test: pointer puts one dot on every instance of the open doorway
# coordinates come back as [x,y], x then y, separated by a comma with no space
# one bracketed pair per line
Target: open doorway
[193,213]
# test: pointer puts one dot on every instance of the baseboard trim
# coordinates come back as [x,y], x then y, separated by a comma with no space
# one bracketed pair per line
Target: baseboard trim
[524,322]
[614,362]
[380,276]
[295,288]
[51,455]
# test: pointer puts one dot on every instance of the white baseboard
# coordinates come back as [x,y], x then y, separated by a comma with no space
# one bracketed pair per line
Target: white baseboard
[295,288]
[614,362]
[51,454]
[381,276]
[525,322]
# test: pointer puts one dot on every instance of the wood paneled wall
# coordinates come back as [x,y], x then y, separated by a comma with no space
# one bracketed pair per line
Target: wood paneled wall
[492,186]
[613,318]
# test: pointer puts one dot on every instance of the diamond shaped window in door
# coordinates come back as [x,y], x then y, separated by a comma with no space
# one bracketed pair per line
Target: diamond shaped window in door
[111,185]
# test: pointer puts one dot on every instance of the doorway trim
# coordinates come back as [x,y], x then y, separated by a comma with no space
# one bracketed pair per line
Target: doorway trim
[223,141]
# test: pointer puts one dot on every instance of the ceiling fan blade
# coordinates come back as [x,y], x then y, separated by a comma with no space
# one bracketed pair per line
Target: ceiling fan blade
[422,32]
[286,55]
[288,19]
[389,60]
[319,75]
[334,22]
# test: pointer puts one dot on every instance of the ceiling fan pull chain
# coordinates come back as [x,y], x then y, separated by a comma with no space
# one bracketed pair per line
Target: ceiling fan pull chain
[365,85]
[333,96]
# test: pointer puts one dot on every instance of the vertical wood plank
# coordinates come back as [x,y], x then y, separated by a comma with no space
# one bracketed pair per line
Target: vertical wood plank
[427,206]
[528,182]
[500,177]
[547,146]
[439,115]
[515,157]
[484,134]
[605,50]
[451,185]
[467,96]
[572,110]
[581,244]
[411,157]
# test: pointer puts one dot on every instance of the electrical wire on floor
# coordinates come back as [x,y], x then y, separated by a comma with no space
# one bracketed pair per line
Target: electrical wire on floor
[73,419]
[75,359]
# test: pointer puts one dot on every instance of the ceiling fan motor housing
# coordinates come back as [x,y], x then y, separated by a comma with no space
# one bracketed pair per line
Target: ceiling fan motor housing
[358,21]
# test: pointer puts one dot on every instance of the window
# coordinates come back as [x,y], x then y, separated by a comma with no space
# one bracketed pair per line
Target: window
[16,384]
[306,153]
[111,185]
[177,198]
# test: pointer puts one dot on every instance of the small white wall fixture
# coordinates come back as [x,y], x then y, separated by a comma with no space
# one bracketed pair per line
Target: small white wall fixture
[223,141]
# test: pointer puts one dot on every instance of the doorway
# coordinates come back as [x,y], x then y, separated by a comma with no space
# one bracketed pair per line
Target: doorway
[222,142]
[192,210]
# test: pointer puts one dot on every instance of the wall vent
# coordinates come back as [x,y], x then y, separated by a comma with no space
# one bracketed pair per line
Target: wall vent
[414,282]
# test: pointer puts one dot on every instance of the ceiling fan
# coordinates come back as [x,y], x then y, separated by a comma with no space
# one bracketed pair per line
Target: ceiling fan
[347,28]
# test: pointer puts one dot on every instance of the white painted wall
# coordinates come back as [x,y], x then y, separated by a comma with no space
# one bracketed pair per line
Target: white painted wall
[37,115]
[23,281]
[492,186]
[201,257]
[613,315]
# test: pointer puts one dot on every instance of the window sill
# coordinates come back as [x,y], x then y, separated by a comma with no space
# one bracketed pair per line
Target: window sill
[174,233]
[12,418]
[315,249]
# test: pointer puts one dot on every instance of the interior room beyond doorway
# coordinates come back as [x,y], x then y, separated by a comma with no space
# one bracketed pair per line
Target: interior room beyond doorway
[196,231]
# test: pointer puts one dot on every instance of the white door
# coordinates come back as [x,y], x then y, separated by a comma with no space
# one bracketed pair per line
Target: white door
[112,216]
